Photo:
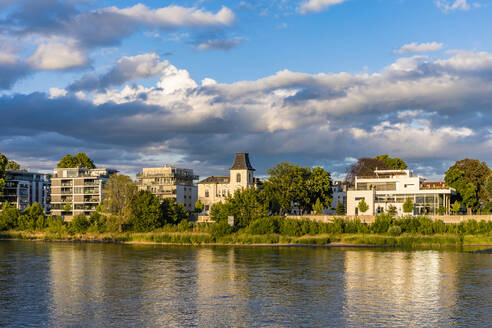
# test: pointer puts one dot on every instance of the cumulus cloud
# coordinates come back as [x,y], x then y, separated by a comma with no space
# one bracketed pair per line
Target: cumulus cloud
[315,6]
[419,47]
[57,55]
[63,34]
[415,108]
[126,69]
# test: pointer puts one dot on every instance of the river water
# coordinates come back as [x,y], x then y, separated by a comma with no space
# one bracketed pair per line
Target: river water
[106,285]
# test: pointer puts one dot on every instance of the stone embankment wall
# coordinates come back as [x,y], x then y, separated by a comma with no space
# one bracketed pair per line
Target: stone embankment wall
[371,218]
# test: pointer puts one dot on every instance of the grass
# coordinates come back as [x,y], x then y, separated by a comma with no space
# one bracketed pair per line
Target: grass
[241,238]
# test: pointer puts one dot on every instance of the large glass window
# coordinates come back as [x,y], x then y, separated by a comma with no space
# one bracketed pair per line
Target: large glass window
[238,177]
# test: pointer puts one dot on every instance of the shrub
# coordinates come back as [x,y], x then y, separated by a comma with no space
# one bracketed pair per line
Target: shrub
[8,217]
[79,223]
[291,227]
[264,226]
[394,230]
[382,223]
[220,229]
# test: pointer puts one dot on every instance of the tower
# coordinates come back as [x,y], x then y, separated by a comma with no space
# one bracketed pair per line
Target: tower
[241,172]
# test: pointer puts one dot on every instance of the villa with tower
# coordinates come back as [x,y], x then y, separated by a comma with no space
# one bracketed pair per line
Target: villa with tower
[215,189]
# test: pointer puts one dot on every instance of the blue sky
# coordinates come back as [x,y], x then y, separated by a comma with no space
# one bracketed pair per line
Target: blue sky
[316,82]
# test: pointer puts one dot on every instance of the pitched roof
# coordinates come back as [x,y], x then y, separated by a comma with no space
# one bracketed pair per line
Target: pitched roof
[241,162]
[214,179]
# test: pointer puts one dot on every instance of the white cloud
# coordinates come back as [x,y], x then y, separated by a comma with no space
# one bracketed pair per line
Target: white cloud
[219,44]
[56,92]
[55,55]
[420,47]
[450,5]
[175,16]
[314,6]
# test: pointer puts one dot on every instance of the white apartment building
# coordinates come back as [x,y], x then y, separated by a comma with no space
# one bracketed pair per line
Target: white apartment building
[23,189]
[215,189]
[170,182]
[392,188]
[77,190]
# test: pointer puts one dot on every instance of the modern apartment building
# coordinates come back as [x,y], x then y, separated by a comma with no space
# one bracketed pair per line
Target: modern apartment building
[215,189]
[392,188]
[77,190]
[170,182]
[25,188]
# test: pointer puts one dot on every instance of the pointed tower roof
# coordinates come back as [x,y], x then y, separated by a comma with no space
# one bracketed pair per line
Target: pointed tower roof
[241,162]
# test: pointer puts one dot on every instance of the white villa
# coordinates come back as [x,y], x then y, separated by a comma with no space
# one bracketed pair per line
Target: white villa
[214,189]
[392,188]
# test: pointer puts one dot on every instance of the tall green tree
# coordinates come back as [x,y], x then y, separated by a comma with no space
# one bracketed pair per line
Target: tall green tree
[172,211]
[8,217]
[392,163]
[340,208]
[145,212]
[3,167]
[469,177]
[118,193]
[287,185]
[79,160]
[199,206]
[318,207]
[13,166]
[245,206]
[320,187]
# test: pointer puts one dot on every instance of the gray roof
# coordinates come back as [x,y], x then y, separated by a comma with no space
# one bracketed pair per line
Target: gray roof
[213,179]
[241,162]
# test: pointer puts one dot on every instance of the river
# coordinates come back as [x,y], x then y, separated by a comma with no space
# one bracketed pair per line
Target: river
[58,284]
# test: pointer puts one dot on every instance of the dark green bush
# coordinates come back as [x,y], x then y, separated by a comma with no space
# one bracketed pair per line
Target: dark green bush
[220,229]
[382,223]
[264,226]
[79,224]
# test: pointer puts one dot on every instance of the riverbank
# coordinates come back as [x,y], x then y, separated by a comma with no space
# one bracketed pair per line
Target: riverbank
[203,238]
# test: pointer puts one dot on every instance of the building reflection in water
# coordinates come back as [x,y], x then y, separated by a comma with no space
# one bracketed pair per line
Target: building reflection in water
[391,288]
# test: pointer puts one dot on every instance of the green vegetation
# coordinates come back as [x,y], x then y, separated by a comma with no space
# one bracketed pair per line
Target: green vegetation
[292,185]
[405,232]
[408,206]
[470,179]
[6,164]
[363,207]
[79,160]
[340,208]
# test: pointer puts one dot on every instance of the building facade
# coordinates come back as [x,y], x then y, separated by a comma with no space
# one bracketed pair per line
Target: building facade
[23,189]
[77,190]
[170,182]
[215,189]
[391,188]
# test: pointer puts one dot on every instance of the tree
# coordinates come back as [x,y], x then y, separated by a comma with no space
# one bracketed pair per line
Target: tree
[392,210]
[3,165]
[364,167]
[456,207]
[80,223]
[340,208]
[118,193]
[8,217]
[67,207]
[245,206]
[408,206]
[172,211]
[145,212]
[287,185]
[318,207]
[469,177]
[199,207]
[320,186]
[12,166]
[79,160]
[392,163]
[363,207]
[488,187]
[32,217]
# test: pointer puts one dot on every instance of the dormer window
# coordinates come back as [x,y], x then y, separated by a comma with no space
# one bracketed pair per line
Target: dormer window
[238,177]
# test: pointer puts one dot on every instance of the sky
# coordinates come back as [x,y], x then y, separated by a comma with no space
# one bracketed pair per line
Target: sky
[189,83]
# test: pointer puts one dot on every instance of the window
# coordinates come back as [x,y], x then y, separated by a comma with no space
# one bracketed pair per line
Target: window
[238,177]
[206,193]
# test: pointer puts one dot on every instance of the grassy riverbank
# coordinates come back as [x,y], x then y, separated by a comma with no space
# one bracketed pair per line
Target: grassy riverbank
[203,238]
